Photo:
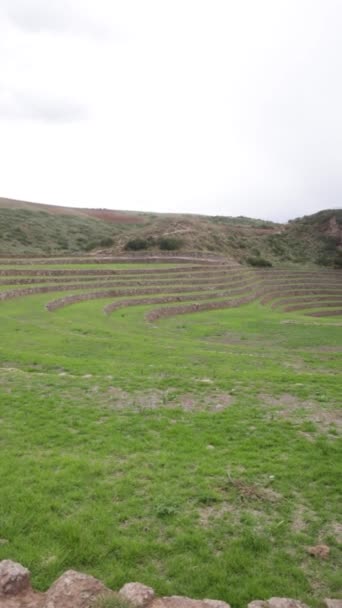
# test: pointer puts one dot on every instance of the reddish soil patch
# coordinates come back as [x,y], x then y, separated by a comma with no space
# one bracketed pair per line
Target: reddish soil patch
[114,217]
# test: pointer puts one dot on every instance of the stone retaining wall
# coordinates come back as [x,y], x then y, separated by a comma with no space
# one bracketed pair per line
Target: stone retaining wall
[76,590]
[324,313]
[96,295]
[190,308]
[282,292]
[60,272]
[168,299]
[132,259]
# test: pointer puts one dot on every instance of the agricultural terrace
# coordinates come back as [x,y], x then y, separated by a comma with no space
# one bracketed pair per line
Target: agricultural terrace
[173,421]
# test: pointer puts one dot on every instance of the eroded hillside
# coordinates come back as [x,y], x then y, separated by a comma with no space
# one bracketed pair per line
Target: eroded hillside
[34,229]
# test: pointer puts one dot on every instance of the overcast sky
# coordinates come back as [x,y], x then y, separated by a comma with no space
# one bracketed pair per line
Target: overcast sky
[229,107]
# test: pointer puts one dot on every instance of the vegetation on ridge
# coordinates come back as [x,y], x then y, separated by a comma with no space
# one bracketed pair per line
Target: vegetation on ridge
[26,228]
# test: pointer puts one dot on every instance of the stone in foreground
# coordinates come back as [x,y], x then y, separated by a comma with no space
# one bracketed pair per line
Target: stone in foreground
[330,603]
[178,601]
[14,578]
[216,604]
[277,602]
[285,602]
[140,595]
[74,590]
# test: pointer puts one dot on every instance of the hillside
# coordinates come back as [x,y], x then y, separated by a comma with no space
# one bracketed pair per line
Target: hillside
[316,238]
[35,229]
[174,421]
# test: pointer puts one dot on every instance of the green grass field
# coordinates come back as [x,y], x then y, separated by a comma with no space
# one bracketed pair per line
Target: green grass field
[199,454]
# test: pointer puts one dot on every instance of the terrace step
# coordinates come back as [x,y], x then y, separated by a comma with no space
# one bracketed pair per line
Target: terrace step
[204,283]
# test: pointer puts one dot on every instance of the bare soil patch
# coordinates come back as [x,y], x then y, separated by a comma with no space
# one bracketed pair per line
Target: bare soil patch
[332,529]
[210,513]
[288,406]
[302,515]
[248,491]
[154,399]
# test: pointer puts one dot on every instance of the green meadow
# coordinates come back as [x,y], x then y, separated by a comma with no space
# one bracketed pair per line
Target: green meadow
[199,454]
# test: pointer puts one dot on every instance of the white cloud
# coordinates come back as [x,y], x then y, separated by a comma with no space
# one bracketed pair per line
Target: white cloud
[66,16]
[18,105]
[219,107]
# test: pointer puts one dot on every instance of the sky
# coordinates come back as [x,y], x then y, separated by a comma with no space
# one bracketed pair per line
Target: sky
[220,107]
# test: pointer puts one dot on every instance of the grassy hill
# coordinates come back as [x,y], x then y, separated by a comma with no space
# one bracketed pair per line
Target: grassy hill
[176,423]
[35,229]
[314,238]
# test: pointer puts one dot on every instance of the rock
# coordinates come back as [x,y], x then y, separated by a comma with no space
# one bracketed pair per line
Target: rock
[277,602]
[74,590]
[14,578]
[333,603]
[285,602]
[140,595]
[216,604]
[27,599]
[321,551]
[178,601]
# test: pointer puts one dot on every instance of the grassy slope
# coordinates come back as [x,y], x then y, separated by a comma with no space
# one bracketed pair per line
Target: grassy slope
[26,228]
[315,238]
[199,455]
[39,233]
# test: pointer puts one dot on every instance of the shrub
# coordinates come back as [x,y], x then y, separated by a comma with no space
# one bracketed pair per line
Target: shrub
[331,243]
[89,246]
[338,260]
[169,243]
[106,242]
[258,261]
[323,259]
[137,244]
